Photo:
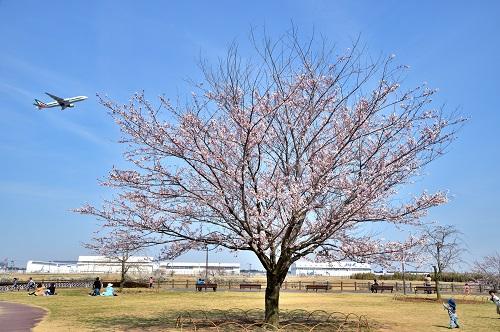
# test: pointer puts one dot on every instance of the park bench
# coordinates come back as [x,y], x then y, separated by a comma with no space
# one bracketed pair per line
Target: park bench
[425,289]
[316,287]
[250,286]
[199,287]
[381,288]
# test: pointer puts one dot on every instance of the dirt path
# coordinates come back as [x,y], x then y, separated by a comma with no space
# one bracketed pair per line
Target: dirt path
[19,317]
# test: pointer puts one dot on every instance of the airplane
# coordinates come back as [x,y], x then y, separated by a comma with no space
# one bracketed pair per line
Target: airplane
[63,102]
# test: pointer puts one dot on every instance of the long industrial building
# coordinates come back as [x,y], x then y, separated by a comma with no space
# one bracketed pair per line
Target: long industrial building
[337,269]
[135,264]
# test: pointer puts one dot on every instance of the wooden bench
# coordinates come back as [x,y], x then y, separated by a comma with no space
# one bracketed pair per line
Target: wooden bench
[199,287]
[250,286]
[382,288]
[316,287]
[425,289]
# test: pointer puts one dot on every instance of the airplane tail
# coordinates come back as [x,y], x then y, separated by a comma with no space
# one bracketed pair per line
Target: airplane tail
[40,104]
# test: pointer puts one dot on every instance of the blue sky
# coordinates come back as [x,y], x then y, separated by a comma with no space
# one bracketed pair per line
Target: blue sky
[51,160]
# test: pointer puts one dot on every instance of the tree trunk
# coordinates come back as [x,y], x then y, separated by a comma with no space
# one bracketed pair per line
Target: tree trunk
[122,279]
[274,282]
[404,279]
[436,281]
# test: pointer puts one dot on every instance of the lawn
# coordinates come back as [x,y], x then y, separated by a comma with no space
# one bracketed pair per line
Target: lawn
[148,310]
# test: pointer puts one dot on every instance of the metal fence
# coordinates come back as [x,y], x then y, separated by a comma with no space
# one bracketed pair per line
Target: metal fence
[331,286]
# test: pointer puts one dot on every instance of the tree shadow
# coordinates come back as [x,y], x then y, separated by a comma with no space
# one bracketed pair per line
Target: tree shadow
[201,320]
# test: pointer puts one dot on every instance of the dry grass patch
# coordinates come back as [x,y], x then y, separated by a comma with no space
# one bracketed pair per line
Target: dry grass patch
[149,310]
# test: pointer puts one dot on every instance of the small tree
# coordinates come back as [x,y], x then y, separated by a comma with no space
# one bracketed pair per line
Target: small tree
[489,269]
[287,155]
[445,247]
[114,247]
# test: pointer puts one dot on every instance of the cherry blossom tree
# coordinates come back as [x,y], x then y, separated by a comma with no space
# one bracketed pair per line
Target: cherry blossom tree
[119,247]
[445,248]
[489,268]
[287,154]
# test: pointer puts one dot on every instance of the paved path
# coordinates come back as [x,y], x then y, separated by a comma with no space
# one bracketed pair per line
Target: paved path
[19,317]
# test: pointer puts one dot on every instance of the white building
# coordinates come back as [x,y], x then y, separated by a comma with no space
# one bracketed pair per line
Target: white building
[135,264]
[51,267]
[337,269]
[177,268]
[103,264]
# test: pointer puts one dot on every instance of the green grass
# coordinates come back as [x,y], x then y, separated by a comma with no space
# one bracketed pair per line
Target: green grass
[148,310]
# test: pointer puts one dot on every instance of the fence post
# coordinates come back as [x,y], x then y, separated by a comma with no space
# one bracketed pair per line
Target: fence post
[396,286]
[286,284]
[229,284]
[452,288]
[410,286]
[172,283]
[187,283]
[355,286]
[341,286]
[300,285]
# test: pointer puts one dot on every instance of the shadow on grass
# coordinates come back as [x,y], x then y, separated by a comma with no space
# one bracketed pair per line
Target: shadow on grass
[234,320]
[442,326]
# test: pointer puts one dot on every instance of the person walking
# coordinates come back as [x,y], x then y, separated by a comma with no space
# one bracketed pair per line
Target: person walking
[151,282]
[451,307]
[31,284]
[495,299]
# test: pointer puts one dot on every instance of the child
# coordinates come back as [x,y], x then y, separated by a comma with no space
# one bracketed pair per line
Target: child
[495,300]
[109,291]
[452,312]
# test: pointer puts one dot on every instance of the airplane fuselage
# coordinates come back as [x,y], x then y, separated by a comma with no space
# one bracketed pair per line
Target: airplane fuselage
[62,102]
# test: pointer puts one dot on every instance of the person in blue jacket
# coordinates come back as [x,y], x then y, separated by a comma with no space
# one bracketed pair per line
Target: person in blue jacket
[109,291]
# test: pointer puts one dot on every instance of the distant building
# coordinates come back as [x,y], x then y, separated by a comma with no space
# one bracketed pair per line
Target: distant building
[337,269]
[179,268]
[136,265]
[51,267]
[103,264]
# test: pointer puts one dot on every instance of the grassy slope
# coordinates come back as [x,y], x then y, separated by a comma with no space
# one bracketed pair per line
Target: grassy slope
[74,310]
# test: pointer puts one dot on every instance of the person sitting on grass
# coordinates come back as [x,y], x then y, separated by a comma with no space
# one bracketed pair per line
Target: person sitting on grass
[38,291]
[51,290]
[495,299]
[109,291]
[96,287]
[451,306]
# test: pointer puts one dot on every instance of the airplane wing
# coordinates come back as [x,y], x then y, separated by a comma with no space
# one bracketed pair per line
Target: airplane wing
[56,98]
